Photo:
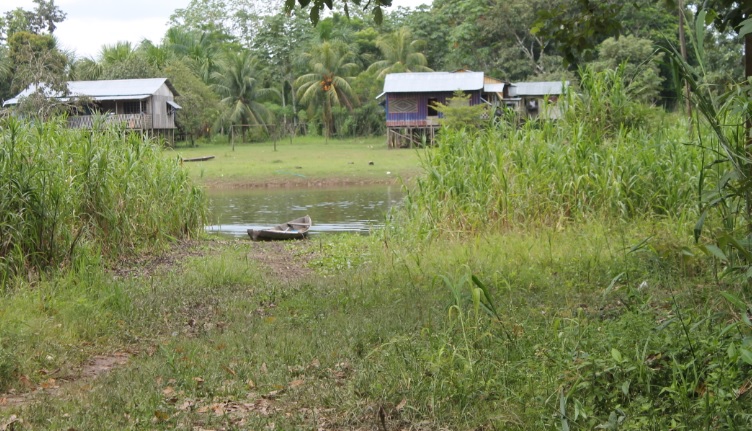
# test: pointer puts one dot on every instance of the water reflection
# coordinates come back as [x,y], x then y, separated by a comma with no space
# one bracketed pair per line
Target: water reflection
[340,209]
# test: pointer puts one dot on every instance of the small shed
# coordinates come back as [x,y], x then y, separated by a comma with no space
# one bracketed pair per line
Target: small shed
[533,96]
[145,105]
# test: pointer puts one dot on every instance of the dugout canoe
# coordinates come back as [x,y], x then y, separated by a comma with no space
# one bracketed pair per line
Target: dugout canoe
[293,229]
[198,159]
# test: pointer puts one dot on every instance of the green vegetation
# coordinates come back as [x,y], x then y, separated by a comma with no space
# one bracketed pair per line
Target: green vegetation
[556,285]
[575,321]
[587,273]
[75,194]
[261,63]
[606,157]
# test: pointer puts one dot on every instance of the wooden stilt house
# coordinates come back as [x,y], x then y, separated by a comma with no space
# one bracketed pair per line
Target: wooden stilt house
[539,99]
[144,105]
[409,100]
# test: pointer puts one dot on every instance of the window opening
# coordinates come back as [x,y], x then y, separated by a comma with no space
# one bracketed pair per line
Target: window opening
[432,112]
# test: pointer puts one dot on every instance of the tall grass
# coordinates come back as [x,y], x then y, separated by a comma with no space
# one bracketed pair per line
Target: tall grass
[607,157]
[722,120]
[64,192]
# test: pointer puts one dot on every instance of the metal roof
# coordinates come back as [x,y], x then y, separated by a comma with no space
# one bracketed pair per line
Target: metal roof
[494,87]
[128,97]
[117,89]
[432,82]
[540,88]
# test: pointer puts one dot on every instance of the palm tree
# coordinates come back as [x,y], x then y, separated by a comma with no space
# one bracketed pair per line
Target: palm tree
[236,83]
[202,49]
[119,52]
[401,54]
[86,69]
[328,83]
[4,63]
[156,55]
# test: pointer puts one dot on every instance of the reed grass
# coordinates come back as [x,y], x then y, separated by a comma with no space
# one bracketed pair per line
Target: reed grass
[65,193]
[606,157]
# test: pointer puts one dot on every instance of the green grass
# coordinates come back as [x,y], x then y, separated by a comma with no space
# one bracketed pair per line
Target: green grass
[307,161]
[402,329]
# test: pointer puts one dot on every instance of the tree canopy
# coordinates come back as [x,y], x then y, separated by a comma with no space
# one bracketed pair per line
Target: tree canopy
[511,40]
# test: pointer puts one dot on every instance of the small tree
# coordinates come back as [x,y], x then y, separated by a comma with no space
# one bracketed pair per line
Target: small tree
[328,84]
[200,104]
[241,92]
[641,71]
[37,63]
[458,113]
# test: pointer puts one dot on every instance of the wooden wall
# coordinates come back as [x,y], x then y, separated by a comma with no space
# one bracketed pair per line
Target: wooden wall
[411,109]
[161,119]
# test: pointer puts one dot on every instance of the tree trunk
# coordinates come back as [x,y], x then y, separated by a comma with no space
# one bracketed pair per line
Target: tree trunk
[748,126]
[327,120]
[683,48]
[294,105]
[284,105]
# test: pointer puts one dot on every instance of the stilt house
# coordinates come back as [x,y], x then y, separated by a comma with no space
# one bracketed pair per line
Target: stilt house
[144,105]
[409,100]
[539,99]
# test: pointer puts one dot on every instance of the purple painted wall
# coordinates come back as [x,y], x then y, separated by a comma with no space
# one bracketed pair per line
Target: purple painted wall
[411,114]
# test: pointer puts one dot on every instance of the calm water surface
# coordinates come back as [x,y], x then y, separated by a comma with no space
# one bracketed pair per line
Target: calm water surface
[340,209]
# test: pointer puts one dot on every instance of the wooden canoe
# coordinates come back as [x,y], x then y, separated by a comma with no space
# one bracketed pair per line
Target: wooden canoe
[198,159]
[293,229]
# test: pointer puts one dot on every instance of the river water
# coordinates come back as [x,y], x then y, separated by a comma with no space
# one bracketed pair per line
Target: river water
[332,209]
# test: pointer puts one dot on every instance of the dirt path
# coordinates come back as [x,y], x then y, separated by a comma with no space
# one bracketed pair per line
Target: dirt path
[280,261]
[95,367]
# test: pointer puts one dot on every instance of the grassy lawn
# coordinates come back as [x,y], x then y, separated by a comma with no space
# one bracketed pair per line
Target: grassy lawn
[305,161]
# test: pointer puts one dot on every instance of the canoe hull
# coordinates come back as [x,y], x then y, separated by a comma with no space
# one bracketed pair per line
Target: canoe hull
[198,159]
[293,229]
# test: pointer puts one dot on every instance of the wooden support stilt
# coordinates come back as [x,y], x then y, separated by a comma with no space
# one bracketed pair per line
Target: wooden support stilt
[409,137]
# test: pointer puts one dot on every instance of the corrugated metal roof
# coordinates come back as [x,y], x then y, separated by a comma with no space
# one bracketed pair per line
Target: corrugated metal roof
[494,87]
[429,82]
[540,88]
[128,97]
[117,89]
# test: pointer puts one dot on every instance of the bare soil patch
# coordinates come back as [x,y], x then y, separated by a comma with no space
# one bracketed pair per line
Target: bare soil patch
[92,369]
[284,261]
[151,264]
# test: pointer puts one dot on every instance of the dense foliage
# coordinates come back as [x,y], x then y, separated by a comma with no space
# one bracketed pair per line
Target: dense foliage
[67,194]
[509,40]
[561,287]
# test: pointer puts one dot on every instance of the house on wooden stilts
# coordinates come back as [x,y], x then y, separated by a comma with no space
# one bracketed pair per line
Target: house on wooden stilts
[142,105]
[409,100]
